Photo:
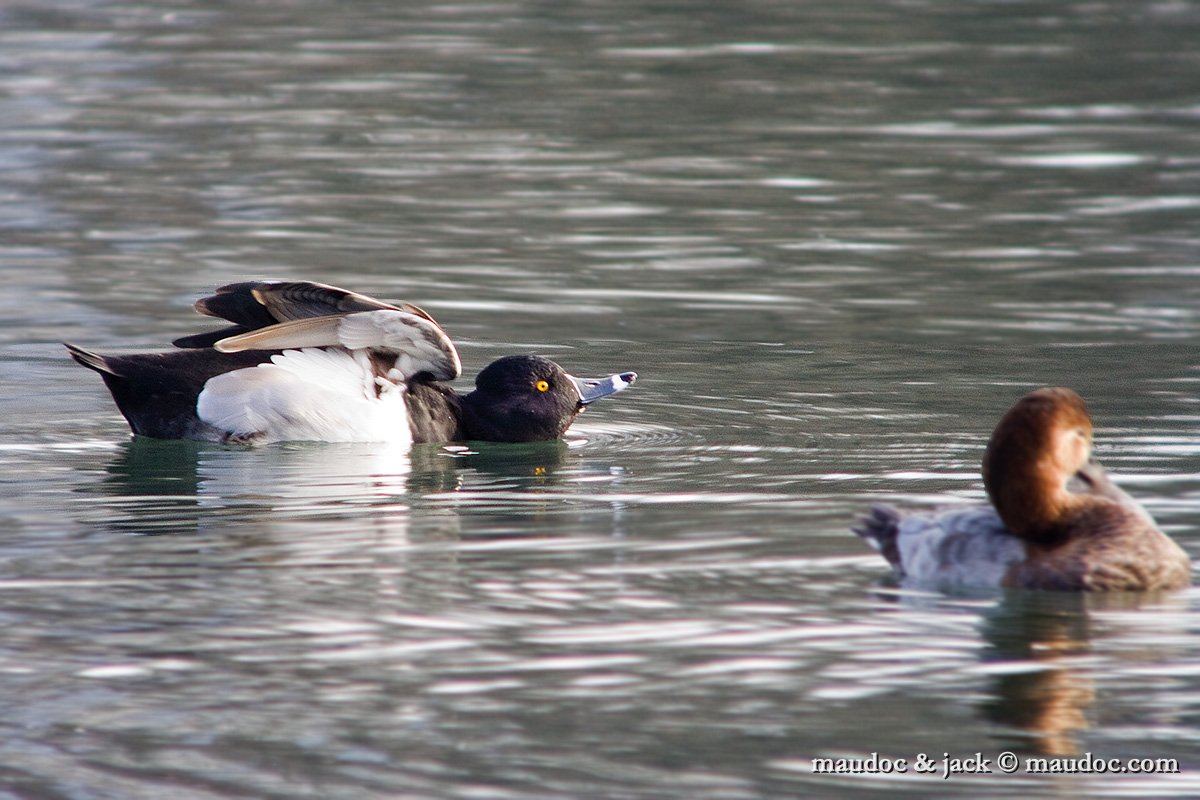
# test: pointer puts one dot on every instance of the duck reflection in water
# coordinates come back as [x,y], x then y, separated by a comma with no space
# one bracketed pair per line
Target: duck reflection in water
[1044,648]
[1038,695]
[180,486]
[1056,520]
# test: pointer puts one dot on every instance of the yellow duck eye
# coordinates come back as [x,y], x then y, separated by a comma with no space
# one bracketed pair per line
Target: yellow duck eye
[541,386]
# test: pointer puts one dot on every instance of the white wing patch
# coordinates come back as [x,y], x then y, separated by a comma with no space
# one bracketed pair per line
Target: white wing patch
[307,395]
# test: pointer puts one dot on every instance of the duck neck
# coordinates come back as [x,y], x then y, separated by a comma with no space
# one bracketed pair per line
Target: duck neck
[1031,498]
[434,412]
[475,425]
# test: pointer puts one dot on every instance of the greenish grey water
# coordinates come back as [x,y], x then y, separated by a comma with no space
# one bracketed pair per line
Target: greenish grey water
[835,240]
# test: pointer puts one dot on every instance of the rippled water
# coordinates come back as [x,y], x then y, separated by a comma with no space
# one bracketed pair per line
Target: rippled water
[835,240]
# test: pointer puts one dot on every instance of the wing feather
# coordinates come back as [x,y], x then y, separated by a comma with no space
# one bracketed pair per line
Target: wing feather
[295,334]
[251,305]
[416,341]
[303,299]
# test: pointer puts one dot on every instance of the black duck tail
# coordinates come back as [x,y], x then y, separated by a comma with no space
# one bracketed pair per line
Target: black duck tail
[91,360]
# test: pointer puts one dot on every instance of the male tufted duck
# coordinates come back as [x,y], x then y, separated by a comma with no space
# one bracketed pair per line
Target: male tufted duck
[1056,520]
[306,361]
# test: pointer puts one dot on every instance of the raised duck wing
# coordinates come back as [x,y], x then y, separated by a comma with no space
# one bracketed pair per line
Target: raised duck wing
[412,340]
[251,305]
[283,301]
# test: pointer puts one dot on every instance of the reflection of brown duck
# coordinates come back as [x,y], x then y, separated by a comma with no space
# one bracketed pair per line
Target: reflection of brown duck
[1043,651]
[1049,706]
[1044,700]
[1057,521]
